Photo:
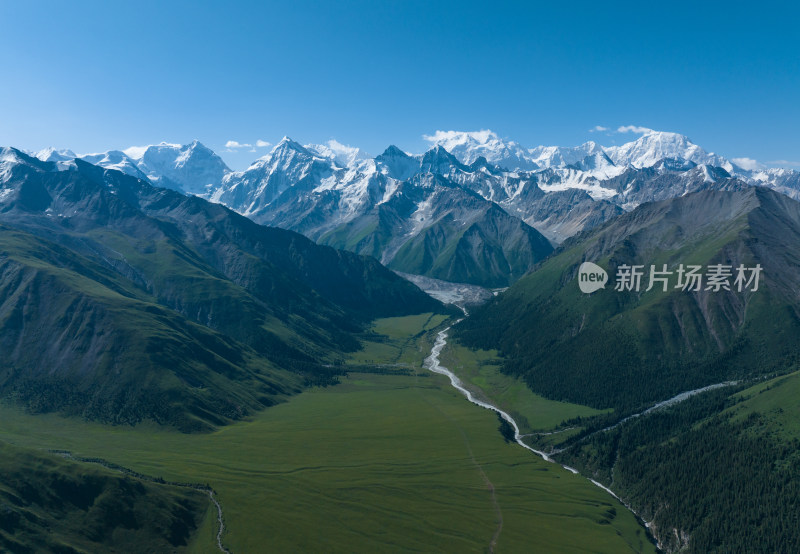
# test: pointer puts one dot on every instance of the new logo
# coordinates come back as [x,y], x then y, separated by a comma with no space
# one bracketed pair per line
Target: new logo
[591,277]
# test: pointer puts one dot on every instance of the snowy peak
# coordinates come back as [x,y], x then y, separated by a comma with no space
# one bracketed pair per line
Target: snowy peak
[288,153]
[342,154]
[53,155]
[138,152]
[439,160]
[192,168]
[117,160]
[397,164]
[393,152]
[654,146]
[562,156]
[468,146]
[286,144]
[12,159]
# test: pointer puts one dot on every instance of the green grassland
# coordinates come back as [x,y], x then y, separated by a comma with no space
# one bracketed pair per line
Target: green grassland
[396,342]
[777,403]
[532,412]
[378,463]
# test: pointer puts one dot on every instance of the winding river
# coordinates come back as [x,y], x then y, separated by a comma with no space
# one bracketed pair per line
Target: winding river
[432,363]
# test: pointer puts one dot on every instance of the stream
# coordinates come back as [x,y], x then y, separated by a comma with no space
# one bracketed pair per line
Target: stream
[432,363]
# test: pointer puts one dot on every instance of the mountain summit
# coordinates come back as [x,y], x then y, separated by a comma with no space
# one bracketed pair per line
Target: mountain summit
[338,195]
[191,168]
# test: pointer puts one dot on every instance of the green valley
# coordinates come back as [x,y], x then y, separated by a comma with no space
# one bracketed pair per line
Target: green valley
[380,462]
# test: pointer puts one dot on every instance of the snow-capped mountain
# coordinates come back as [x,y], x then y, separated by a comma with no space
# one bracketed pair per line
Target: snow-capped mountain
[469,146]
[655,146]
[115,159]
[191,168]
[417,214]
[560,156]
[785,181]
[464,203]
[289,164]
[602,162]
[53,155]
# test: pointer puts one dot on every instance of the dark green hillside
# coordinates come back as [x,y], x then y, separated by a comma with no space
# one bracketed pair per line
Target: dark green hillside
[493,251]
[52,505]
[120,301]
[627,349]
[82,340]
[719,472]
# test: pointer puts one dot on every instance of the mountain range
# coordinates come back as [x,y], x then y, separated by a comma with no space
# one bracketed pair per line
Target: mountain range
[122,301]
[474,208]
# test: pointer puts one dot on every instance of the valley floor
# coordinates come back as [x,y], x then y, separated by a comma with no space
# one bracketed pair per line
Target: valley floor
[391,459]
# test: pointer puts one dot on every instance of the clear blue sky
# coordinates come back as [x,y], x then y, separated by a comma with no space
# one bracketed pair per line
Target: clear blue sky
[94,76]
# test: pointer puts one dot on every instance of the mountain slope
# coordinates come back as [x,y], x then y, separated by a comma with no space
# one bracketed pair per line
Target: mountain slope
[168,307]
[597,349]
[53,505]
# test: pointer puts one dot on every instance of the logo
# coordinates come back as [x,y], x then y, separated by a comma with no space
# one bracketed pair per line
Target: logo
[591,277]
[690,278]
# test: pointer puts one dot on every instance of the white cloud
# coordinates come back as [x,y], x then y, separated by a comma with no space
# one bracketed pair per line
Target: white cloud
[598,129]
[232,144]
[748,163]
[342,153]
[633,129]
[263,144]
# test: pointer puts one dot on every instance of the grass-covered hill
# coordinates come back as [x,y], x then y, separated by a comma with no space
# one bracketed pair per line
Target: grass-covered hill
[48,504]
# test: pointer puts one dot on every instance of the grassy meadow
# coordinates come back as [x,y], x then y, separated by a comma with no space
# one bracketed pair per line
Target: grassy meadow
[480,370]
[379,463]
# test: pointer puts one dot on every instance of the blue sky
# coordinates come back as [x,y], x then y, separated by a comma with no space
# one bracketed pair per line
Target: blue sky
[94,76]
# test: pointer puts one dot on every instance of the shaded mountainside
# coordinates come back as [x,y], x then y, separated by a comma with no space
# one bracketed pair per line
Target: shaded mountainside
[564,213]
[52,505]
[151,304]
[600,349]
[435,228]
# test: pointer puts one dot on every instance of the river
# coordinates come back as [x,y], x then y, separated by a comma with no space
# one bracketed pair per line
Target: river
[432,363]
